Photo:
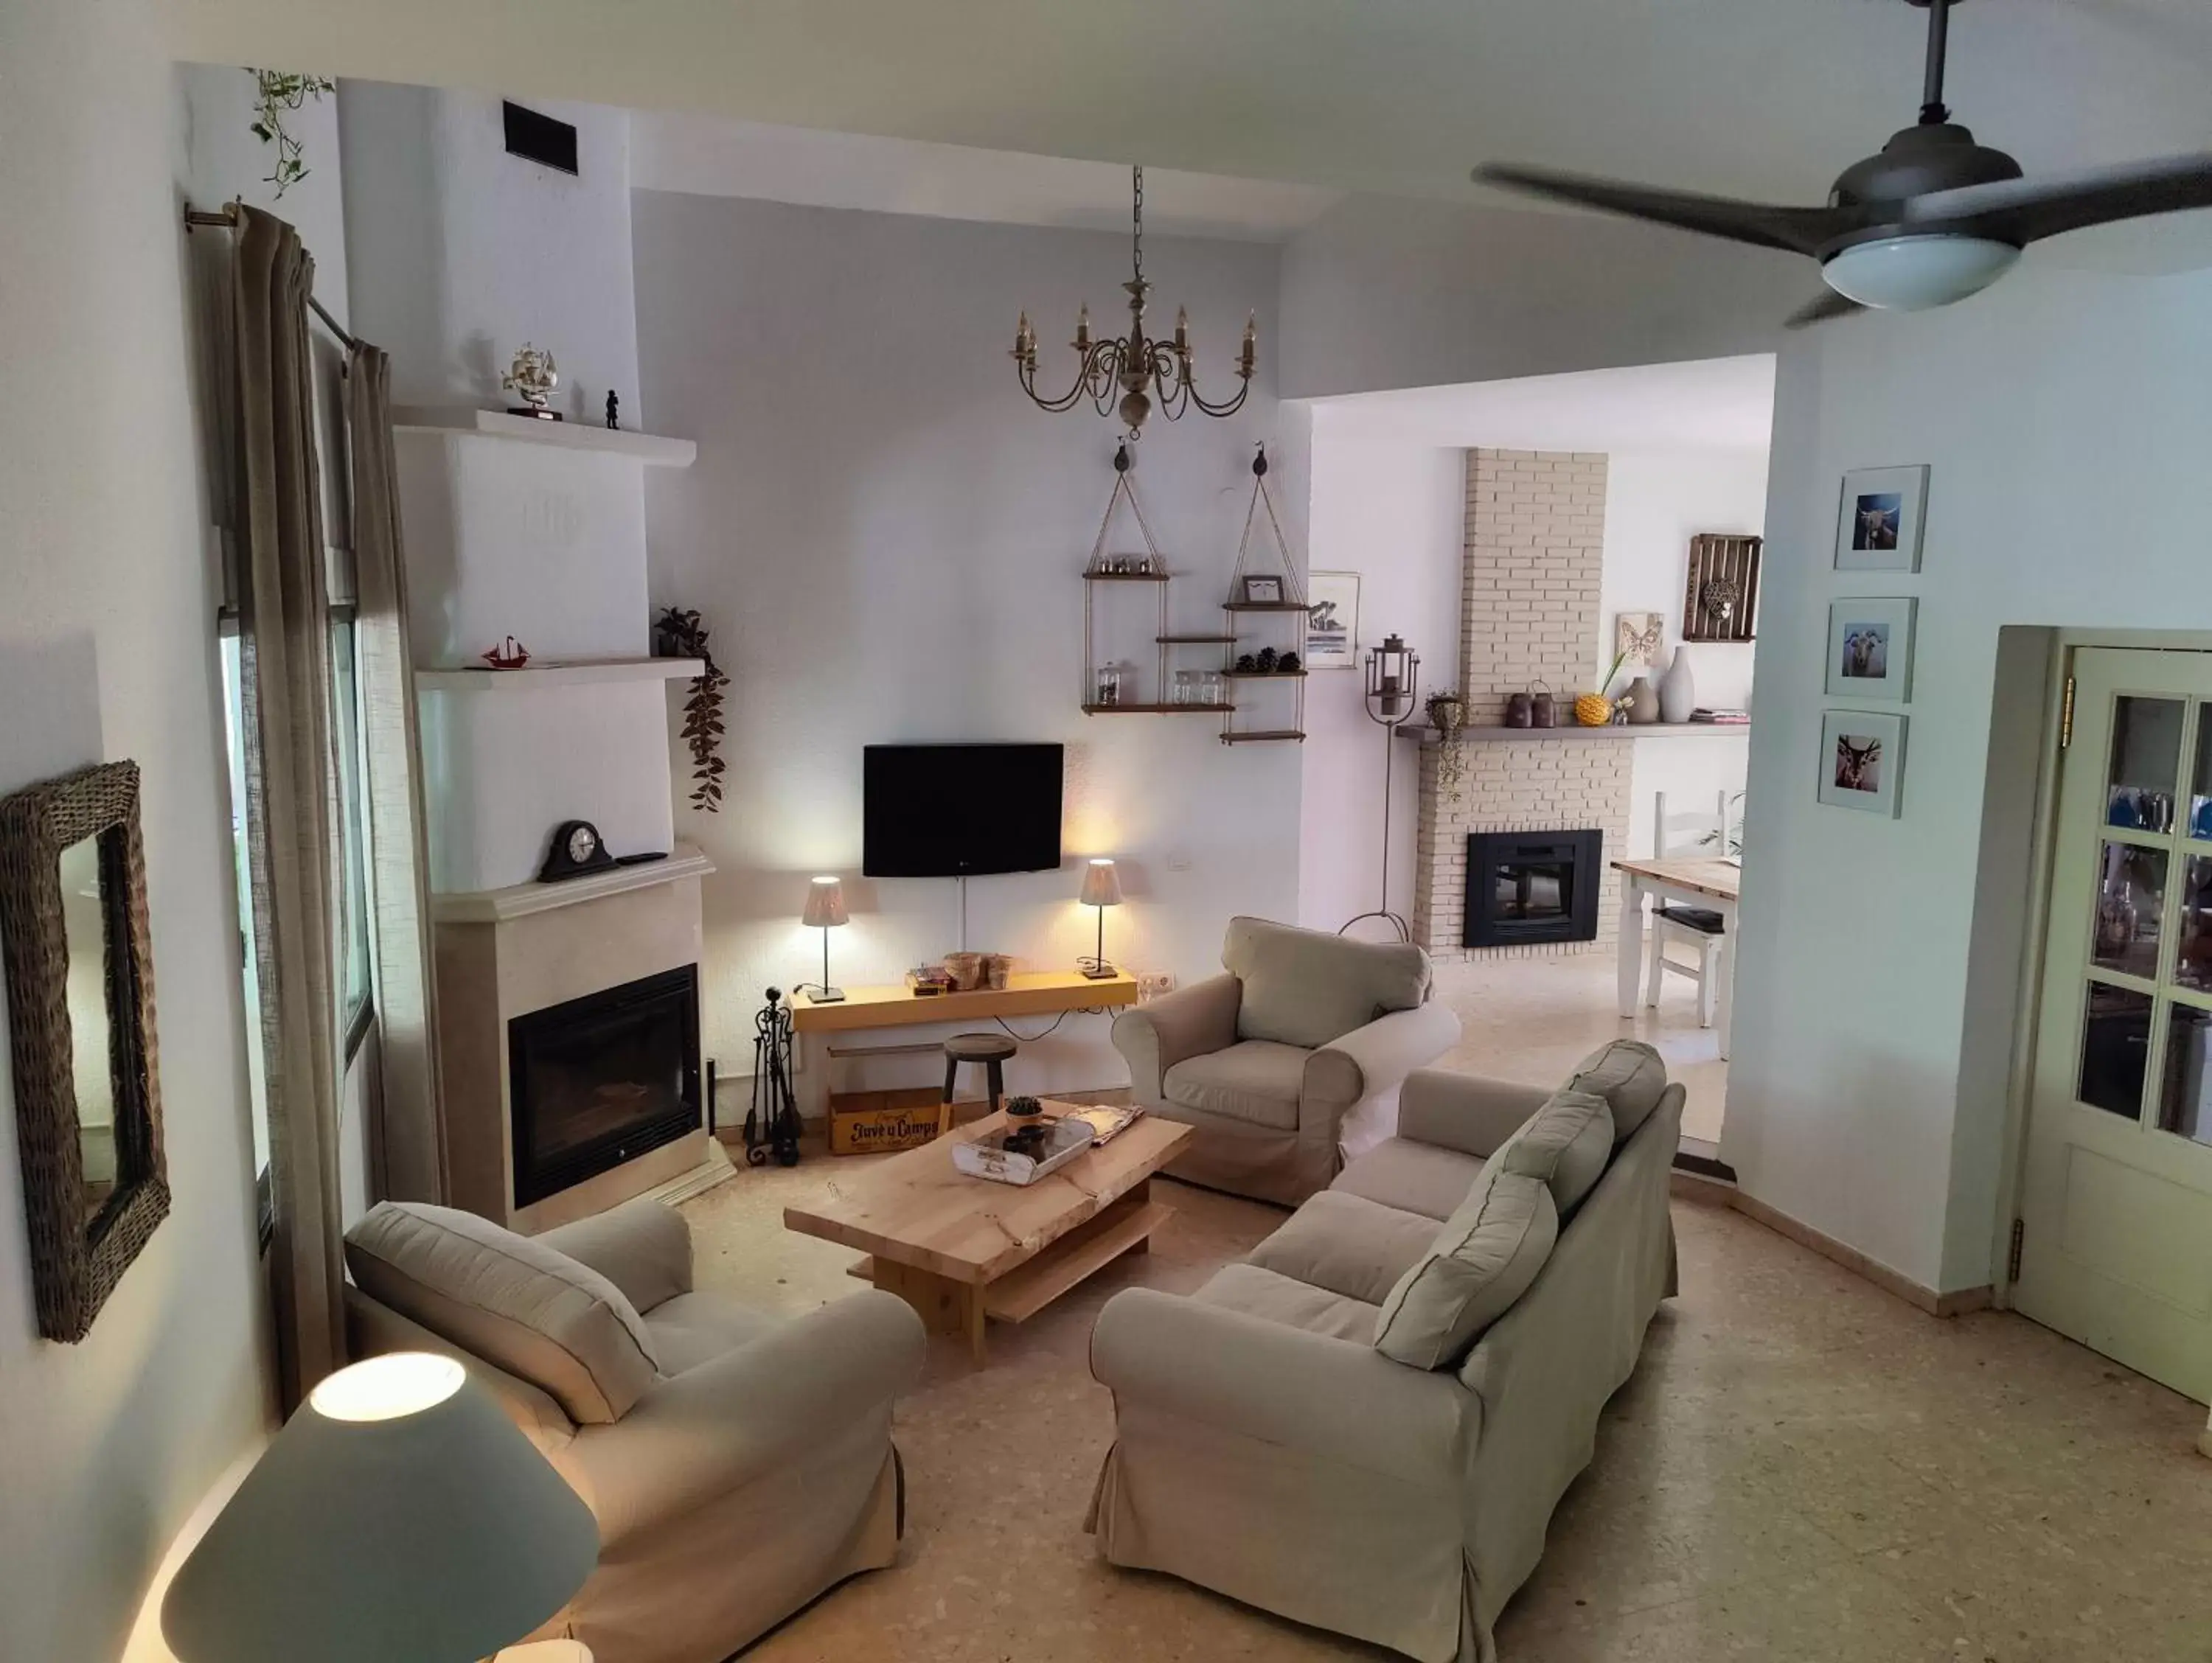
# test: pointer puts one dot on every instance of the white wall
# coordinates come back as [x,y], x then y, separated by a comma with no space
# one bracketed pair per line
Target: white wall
[108,649]
[1849,1106]
[1395,512]
[461,253]
[884,537]
[1654,502]
[1383,292]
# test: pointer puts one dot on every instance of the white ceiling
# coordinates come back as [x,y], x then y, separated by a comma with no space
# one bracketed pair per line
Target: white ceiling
[708,155]
[1725,404]
[1760,97]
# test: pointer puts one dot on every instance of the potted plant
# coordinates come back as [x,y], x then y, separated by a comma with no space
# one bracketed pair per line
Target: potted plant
[1448,716]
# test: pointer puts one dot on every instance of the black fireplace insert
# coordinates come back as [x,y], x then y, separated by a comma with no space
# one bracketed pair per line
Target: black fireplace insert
[1530,887]
[600,1080]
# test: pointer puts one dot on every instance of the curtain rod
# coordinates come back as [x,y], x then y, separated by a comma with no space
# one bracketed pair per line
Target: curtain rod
[227,219]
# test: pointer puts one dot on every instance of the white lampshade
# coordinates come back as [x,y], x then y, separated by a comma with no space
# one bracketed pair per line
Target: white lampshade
[398,1514]
[826,904]
[1912,274]
[1102,884]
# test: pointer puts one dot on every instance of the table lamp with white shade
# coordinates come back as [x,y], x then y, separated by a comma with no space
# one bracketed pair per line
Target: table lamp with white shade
[399,1515]
[825,910]
[1101,888]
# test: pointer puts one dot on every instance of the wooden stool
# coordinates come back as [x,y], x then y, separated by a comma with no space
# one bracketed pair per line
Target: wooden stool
[991,1050]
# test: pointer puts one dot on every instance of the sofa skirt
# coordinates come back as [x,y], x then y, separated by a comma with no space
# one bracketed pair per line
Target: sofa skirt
[1354,1552]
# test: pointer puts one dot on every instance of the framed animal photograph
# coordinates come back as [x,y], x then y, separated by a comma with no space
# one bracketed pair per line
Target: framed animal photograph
[1878,523]
[1333,621]
[1862,761]
[1870,648]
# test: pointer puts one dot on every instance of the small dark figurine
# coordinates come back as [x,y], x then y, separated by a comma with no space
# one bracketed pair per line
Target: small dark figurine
[1288,664]
[614,412]
[1246,662]
[1265,663]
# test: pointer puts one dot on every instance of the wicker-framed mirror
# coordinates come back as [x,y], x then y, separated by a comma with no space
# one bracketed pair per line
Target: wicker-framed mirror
[78,952]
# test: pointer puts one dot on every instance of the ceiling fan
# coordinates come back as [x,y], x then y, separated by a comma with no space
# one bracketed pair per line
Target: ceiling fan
[1932,219]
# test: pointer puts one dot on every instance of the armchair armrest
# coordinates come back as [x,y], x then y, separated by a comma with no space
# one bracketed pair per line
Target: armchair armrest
[719,1426]
[641,1246]
[1376,1058]
[1188,1022]
[1333,1399]
[1464,1112]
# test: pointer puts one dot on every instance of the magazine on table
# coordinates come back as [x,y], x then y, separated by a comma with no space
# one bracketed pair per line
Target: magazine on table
[1106,1121]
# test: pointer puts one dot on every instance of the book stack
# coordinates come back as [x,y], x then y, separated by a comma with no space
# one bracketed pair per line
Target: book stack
[1721,718]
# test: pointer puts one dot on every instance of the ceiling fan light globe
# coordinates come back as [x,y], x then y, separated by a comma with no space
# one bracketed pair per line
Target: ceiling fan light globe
[1915,274]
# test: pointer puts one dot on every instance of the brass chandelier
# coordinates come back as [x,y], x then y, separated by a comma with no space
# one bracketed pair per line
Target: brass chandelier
[1133,364]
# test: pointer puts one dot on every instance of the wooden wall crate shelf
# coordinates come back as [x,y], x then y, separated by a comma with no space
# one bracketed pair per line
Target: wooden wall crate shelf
[1156,710]
[1262,736]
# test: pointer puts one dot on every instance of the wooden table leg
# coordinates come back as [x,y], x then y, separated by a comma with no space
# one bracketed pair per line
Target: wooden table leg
[946,1307]
[1631,943]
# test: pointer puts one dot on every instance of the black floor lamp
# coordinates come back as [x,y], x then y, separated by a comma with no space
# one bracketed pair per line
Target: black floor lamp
[1392,669]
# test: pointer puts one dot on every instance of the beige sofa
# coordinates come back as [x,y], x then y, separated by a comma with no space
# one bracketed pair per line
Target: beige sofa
[1365,1424]
[1289,1062]
[737,1464]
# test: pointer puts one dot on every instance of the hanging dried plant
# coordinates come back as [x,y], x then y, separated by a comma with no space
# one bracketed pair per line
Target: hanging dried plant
[677,633]
[277,93]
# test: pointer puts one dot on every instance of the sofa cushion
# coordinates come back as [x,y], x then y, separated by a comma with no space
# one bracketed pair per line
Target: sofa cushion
[1485,1256]
[1348,1244]
[1303,987]
[1255,1081]
[515,1303]
[1413,1177]
[1630,1076]
[1295,1304]
[1566,1144]
[690,1329]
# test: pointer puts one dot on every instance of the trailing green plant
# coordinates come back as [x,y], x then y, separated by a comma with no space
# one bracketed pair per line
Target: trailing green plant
[277,93]
[1448,715]
[680,633]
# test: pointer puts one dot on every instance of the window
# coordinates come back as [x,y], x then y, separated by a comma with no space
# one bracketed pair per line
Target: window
[347,733]
[356,979]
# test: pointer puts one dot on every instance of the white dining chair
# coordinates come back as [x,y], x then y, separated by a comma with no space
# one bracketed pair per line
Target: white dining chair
[1694,927]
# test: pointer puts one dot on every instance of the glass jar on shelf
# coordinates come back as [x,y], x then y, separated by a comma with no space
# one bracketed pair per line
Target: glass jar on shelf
[1186,687]
[1109,689]
[1212,687]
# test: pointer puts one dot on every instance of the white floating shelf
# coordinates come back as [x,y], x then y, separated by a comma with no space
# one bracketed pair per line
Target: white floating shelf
[535,676]
[648,448]
[519,900]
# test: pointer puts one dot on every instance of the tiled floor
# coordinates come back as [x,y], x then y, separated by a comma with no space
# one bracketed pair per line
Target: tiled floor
[1803,1468]
[1532,1019]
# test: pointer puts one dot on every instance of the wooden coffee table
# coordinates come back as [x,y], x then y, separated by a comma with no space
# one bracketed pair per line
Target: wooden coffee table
[959,1249]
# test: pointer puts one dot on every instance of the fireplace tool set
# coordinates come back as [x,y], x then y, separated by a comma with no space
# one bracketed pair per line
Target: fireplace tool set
[772,1122]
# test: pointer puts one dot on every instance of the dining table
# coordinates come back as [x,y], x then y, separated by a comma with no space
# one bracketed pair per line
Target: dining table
[1708,880]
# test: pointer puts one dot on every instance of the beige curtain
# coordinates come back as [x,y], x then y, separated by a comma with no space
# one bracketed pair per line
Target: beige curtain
[408,1141]
[291,785]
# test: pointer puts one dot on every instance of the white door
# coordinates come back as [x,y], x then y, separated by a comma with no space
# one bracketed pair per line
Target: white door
[2116,1244]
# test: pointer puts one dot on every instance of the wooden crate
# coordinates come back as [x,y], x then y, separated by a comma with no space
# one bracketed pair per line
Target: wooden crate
[873,1122]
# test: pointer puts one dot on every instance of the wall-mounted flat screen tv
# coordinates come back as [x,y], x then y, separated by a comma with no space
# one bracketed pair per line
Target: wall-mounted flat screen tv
[959,810]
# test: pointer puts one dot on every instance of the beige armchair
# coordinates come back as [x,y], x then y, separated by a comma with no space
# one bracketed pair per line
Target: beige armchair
[737,1464]
[1290,1062]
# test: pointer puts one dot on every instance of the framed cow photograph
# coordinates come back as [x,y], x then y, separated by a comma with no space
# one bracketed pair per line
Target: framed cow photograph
[1870,648]
[1862,761]
[1878,523]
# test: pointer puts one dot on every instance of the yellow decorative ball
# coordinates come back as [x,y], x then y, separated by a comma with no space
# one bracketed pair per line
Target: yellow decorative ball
[1594,710]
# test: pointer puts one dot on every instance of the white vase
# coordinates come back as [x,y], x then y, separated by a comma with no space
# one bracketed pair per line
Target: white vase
[1677,689]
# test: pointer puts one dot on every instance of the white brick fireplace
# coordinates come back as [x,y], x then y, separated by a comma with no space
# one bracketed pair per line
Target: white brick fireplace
[1535,560]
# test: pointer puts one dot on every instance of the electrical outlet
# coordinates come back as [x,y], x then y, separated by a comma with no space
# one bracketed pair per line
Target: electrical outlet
[1178,862]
